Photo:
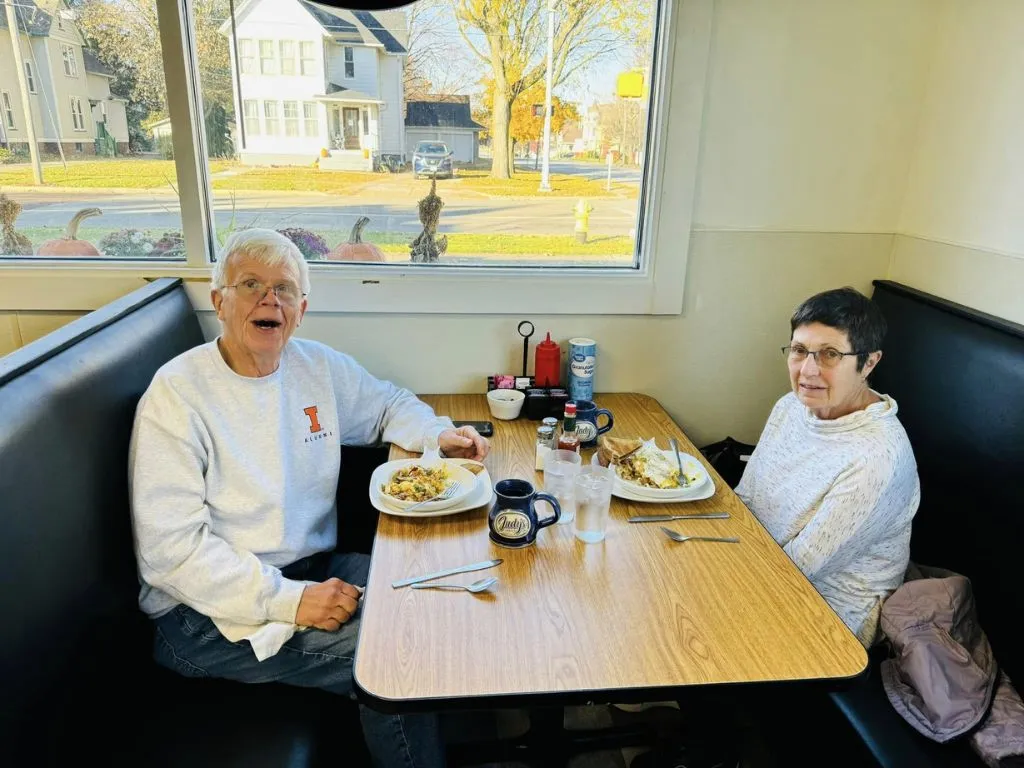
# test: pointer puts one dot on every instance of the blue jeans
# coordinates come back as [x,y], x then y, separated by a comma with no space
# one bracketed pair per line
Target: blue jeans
[188,643]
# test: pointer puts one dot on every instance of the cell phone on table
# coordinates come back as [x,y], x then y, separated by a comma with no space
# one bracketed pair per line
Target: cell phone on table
[485,428]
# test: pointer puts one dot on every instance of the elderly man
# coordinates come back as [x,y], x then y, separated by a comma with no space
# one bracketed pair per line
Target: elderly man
[234,470]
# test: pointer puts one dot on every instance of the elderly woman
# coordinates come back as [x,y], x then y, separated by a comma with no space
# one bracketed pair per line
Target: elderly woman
[234,468]
[833,477]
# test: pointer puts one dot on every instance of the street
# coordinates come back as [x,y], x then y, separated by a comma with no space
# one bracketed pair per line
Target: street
[598,171]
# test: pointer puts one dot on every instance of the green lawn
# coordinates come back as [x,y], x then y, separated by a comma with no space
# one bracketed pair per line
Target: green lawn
[397,244]
[525,183]
[296,179]
[110,174]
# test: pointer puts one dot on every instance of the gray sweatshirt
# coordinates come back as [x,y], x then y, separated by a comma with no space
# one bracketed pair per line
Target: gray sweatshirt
[232,478]
[839,496]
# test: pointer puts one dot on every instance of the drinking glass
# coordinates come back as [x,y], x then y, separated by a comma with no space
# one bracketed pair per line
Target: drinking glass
[560,468]
[593,497]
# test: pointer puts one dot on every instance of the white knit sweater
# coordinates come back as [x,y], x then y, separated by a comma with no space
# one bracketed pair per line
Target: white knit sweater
[839,496]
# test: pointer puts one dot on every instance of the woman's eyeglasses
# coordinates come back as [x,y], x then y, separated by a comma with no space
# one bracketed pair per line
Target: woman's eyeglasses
[288,293]
[825,357]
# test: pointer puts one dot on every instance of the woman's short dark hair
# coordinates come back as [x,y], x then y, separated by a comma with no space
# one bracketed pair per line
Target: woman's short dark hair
[847,310]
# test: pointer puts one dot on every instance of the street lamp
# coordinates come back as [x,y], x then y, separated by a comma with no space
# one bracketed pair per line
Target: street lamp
[545,173]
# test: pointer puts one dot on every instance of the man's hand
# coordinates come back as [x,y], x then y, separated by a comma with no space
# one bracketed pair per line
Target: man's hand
[463,443]
[327,605]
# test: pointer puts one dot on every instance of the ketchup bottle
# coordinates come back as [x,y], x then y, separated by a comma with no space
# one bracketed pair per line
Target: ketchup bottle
[547,365]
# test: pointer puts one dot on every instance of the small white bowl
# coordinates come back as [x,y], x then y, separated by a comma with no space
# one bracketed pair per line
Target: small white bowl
[505,404]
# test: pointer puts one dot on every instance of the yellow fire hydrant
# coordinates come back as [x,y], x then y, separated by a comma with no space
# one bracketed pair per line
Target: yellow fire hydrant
[582,214]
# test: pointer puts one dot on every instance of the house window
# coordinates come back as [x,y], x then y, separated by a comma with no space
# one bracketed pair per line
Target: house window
[70,62]
[8,108]
[79,147]
[270,118]
[287,57]
[60,21]
[246,57]
[366,122]
[30,77]
[350,62]
[307,54]
[311,119]
[251,115]
[268,62]
[77,116]
[291,118]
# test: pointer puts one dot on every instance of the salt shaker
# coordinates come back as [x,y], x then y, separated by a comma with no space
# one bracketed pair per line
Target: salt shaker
[545,437]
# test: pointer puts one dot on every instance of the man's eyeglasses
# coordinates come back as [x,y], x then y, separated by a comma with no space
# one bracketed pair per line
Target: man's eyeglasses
[288,293]
[825,357]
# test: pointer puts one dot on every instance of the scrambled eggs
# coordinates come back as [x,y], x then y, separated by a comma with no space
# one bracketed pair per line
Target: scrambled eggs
[650,467]
[416,483]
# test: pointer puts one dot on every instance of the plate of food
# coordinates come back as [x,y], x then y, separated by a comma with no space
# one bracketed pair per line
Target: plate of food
[407,482]
[644,469]
[480,495]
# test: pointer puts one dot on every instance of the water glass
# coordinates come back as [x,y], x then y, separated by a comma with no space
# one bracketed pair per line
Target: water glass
[560,469]
[593,497]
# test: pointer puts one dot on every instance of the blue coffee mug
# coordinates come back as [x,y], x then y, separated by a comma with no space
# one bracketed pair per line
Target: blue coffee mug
[513,518]
[587,414]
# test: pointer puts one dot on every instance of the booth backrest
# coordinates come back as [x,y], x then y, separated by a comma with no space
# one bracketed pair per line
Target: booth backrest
[958,376]
[68,600]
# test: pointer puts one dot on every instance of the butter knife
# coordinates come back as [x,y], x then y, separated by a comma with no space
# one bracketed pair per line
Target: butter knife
[482,566]
[666,518]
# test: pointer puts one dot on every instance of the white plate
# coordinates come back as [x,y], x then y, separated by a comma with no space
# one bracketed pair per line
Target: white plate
[481,495]
[704,491]
[382,476]
[690,465]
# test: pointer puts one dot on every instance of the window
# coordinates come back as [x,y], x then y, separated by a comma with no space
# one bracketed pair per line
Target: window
[291,118]
[287,57]
[308,55]
[312,121]
[125,242]
[268,64]
[246,58]
[350,63]
[511,231]
[77,117]
[70,62]
[251,110]
[366,122]
[270,118]
[8,108]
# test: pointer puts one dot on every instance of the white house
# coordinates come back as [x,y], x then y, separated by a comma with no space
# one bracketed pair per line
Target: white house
[311,78]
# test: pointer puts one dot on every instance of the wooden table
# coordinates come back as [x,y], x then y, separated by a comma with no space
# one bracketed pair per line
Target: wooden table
[637,617]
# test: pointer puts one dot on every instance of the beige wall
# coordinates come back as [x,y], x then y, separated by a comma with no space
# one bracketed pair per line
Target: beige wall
[962,224]
[65,87]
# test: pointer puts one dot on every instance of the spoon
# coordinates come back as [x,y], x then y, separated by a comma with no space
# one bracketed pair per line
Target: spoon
[481,585]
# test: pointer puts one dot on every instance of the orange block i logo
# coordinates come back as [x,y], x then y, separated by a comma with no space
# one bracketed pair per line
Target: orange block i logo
[314,421]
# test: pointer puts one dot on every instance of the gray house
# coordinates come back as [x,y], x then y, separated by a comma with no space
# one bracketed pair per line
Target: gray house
[446,119]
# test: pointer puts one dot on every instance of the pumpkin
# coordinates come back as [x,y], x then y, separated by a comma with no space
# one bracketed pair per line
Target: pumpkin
[355,249]
[70,245]
[14,243]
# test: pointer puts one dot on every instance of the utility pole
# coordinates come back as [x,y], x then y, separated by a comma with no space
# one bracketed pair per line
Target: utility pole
[26,105]
[545,173]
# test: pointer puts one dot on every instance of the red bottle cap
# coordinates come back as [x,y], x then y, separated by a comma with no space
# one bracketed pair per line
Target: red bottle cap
[570,409]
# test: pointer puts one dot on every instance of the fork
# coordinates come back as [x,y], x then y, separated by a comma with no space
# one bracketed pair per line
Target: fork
[450,491]
[679,537]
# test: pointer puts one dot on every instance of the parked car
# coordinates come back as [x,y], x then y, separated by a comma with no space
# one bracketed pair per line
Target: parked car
[432,158]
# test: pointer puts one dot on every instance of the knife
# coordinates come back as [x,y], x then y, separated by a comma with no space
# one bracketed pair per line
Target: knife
[666,518]
[482,566]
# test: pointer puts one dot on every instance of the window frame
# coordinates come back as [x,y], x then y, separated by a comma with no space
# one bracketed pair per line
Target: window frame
[267,118]
[67,52]
[77,114]
[349,51]
[294,120]
[681,69]
[306,119]
[253,128]
[272,58]
[312,59]
[289,60]
[246,57]
[30,78]
[8,108]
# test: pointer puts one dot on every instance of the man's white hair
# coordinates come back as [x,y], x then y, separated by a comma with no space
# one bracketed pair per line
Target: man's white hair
[263,245]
